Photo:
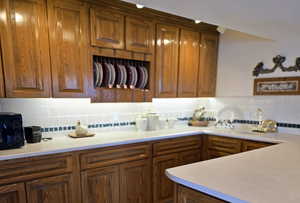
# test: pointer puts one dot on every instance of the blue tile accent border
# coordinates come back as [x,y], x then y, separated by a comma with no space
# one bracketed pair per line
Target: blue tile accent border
[279,124]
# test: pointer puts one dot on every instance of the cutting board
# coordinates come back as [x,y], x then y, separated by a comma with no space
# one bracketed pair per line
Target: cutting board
[73,135]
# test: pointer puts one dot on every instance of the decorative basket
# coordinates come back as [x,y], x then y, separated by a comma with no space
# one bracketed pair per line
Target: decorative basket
[198,123]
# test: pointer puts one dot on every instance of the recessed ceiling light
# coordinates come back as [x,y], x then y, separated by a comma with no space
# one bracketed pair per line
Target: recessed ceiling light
[139,6]
[198,21]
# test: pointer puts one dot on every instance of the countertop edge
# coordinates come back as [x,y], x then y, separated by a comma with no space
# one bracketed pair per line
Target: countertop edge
[203,189]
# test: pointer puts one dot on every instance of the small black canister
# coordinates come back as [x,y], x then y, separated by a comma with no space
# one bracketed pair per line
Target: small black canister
[33,134]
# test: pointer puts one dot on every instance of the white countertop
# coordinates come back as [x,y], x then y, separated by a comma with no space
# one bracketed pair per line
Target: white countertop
[270,174]
[266,175]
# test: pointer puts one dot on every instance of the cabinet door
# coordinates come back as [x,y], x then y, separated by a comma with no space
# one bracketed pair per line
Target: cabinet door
[107,29]
[100,185]
[139,35]
[135,185]
[68,43]
[2,91]
[166,60]
[208,65]
[163,187]
[57,189]
[14,193]
[25,48]
[188,63]
[186,195]
[252,145]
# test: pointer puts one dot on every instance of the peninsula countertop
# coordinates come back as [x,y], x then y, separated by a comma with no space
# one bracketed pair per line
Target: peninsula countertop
[266,175]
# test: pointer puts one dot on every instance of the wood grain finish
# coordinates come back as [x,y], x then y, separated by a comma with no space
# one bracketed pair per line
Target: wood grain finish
[115,155]
[252,145]
[176,145]
[58,189]
[166,60]
[68,22]
[14,193]
[188,157]
[139,35]
[224,144]
[135,185]
[188,63]
[101,185]
[107,28]
[187,195]
[25,169]
[162,186]
[2,90]
[208,65]
[25,48]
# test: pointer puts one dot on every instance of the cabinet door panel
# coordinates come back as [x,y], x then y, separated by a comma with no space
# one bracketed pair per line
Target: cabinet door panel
[68,40]
[248,145]
[188,63]
[208,65]
[107,29]
[57,189]
[163,187]
[100,185]
[167,60]
[25,48]
[135,182]
[139,35]
[14,193]
[2,91]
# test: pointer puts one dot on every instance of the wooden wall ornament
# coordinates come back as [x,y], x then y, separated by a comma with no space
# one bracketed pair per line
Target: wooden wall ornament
[278,61]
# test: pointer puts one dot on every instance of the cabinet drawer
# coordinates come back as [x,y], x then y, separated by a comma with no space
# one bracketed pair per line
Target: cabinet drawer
[176,145]
[114,155]
[24,169]
[224,144]
[212,154]
[252,145]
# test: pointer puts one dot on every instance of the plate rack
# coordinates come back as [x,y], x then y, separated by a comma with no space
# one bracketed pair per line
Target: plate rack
[119,73]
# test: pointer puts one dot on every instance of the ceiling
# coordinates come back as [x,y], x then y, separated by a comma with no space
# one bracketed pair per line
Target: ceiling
[271,19]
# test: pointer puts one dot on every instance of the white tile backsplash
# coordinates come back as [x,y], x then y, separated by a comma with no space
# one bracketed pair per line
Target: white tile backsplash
[65,112]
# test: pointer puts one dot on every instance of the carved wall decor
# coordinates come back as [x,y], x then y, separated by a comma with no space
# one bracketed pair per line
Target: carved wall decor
[278,61]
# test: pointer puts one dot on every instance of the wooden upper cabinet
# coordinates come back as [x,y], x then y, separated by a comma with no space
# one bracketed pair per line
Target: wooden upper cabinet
[25,48]
[208,65]
[57,189]
[139,35]
[100,185]
[107,28]
[14,193]
[188,63]
[68,22]
[166,60]
[2,91]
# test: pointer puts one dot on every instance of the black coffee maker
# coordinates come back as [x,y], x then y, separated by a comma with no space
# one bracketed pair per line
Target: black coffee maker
[11,131]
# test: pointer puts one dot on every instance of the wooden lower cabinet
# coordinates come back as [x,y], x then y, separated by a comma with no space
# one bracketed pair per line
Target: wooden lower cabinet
[101,185]
[135,182]
[252,145]
[163,187]
[186,195]
[57,189]
[14,193]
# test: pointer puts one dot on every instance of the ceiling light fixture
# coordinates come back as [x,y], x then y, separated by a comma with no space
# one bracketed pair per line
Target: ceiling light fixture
[139,5]
[221,29]
[198,21]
